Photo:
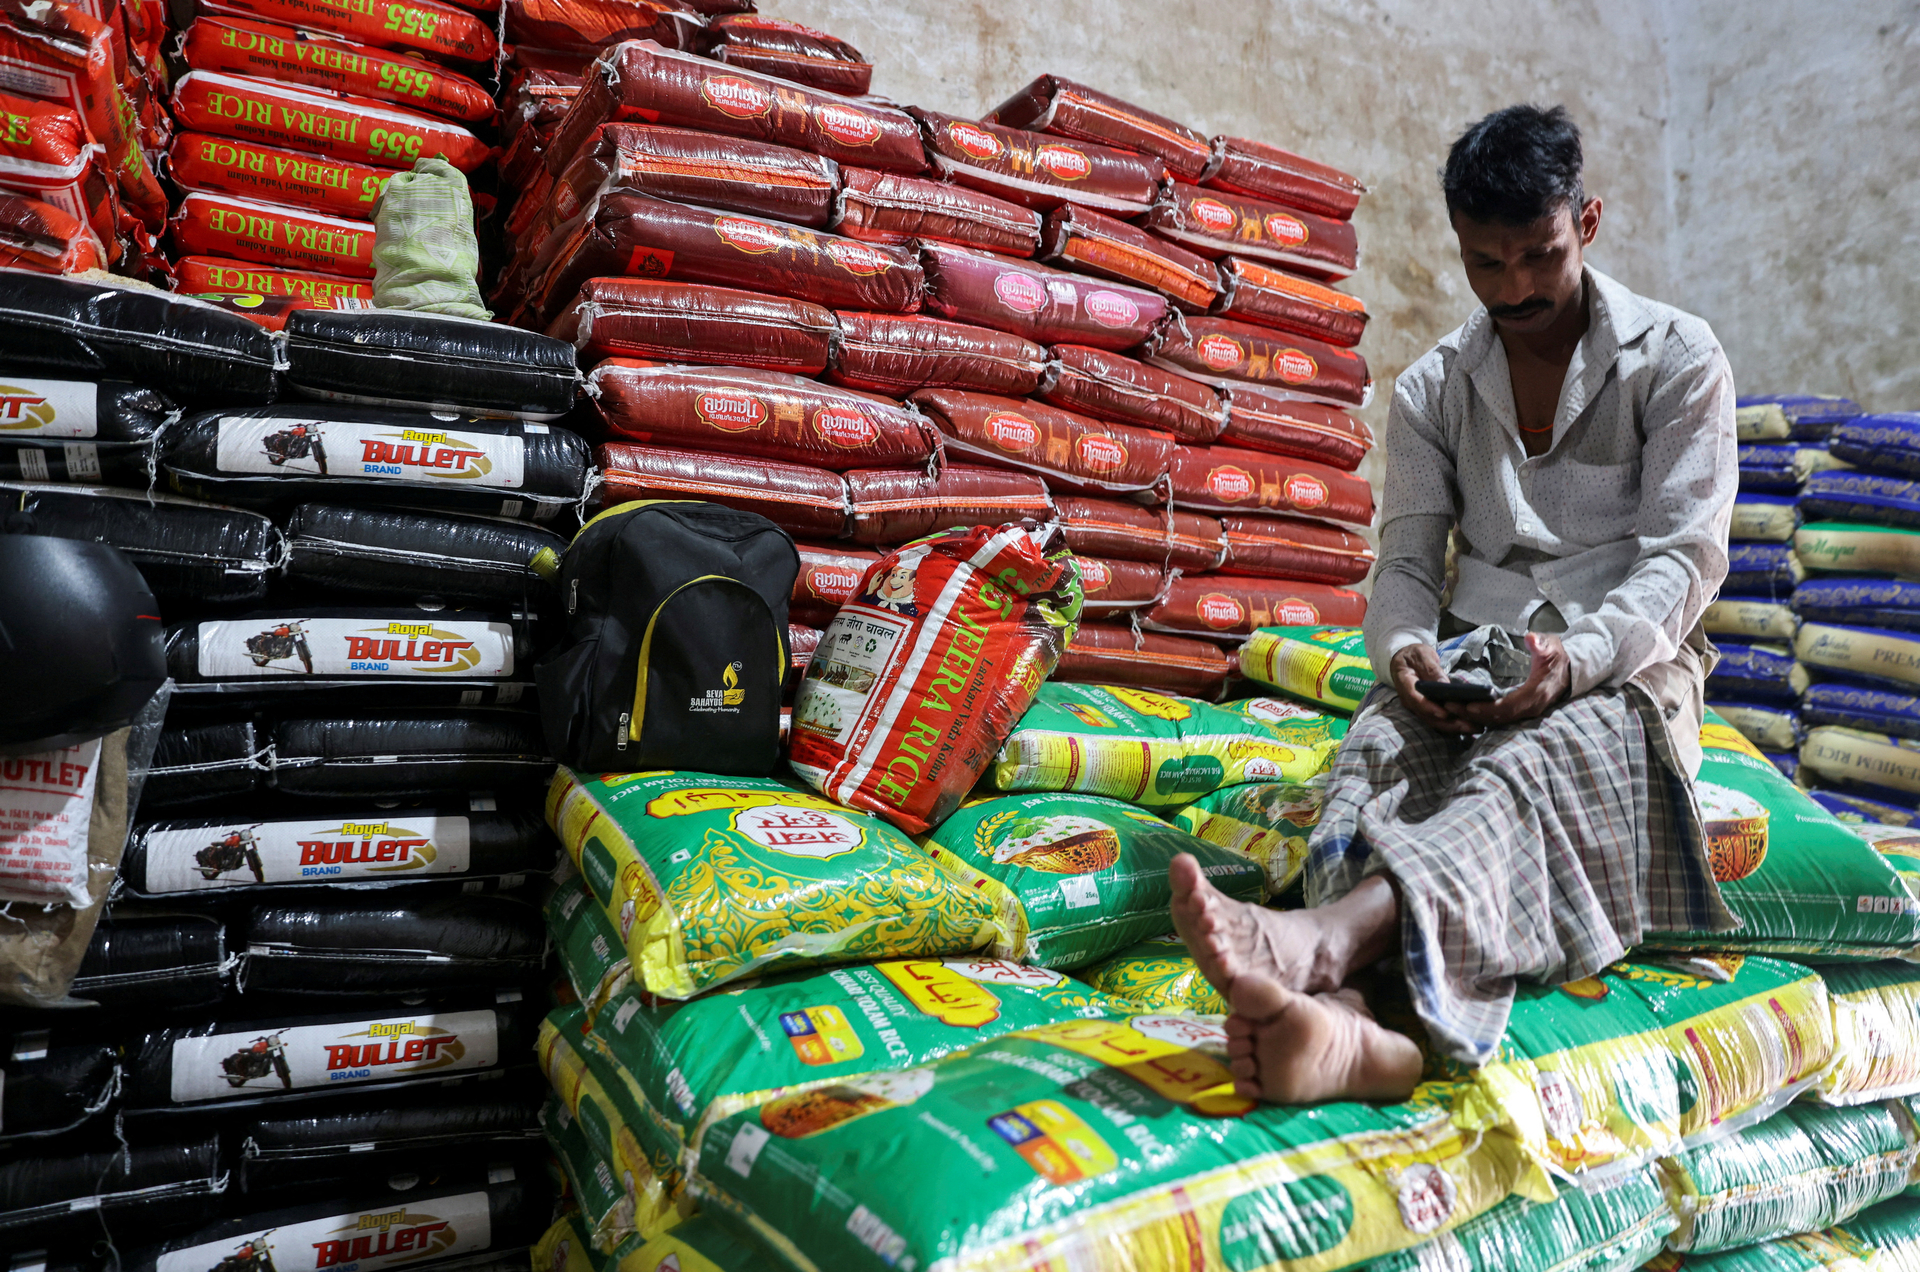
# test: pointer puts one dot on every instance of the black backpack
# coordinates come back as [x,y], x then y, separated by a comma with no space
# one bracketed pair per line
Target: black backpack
[676,641]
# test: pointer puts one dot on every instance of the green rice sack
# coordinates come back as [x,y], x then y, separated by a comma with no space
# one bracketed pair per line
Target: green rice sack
[567,1247]
[1636,1061]
[1094,1144]
[1876,1033]
[1613,1226]
[690,1064]
[1073,878]
[606,1207]
[1842,547]
[1158,750]
[1830,1251]
[1157,975]
[710,879]
[1795,877]
[1750,619]
[1888,656]
[1803,1169]
[1267,821]
[1893,1229]
[704,1243]
[591,953]
[1900,845]
[1327,665]
[1854,758]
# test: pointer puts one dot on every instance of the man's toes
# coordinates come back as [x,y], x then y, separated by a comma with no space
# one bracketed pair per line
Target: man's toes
[1259,999]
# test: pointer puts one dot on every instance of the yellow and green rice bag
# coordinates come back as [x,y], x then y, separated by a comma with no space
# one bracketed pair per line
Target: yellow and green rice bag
[591,953]
[567,1247]
[1328,665]
[1876,1032]
[606,1207]
[1270,822]
[1900,845]
[1619,1223]
[1157,975]
[704,1243]
[710,879]
[1892,1229]
[1831,1251]
[1073,878]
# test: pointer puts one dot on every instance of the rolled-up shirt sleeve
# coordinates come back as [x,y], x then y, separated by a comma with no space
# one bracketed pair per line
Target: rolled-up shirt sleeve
[1689,476]
[1419,503]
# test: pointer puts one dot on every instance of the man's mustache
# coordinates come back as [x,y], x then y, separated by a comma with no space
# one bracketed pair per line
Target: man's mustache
[1526,309]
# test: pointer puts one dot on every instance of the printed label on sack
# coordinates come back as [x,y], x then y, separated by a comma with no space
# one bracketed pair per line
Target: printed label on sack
[1218,351]
[730,411]
[846,668]
[1063,162]
[1284,230]
[1304,491]
[1111,309]
[731,95]
[1220,611]
[1100,453]
[46,812]
[1021,293]
[847,426]
[858,258]
[47,408]
[846,125]
[1229,485]
[247,1064]
[394,1235]
[1294,612]
[1094,575]
[260,647]
[1295,367]
[1214,216]
[1011,432]
[756,238]
[398,846]
[833,583]
[292,446]
[974,141]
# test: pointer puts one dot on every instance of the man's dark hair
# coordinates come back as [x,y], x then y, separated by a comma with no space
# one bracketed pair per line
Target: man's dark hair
[1515,166]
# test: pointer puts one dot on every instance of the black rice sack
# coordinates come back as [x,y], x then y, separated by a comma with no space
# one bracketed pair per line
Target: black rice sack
[393,357]
[404,553]
[392,947]
[412,756]
[327,1146]
[140,962]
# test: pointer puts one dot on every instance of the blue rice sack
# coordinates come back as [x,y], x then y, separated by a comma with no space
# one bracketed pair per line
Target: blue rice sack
[1887,443]
[1786,761]
[1889,603]
[1764,518]
[1861,707]
[1757,673]
[1762,571]
[1781,467]
[1750,619]
[1861,810]
[1844,547]
[1762,422]
[1810,416]
[1870,652]
[1870,762]
[1769,726]
[1858,496]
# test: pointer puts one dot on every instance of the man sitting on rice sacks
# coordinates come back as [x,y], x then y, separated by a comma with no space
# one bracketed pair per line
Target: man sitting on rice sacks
[1579,440]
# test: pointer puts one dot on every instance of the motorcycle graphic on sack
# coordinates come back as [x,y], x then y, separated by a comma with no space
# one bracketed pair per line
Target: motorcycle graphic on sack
[281,642]
[229,854]
[296,441]
[256,1060]
[252,1256]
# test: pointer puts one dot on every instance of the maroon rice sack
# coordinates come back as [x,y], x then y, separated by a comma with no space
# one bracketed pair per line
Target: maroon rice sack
[272,234]
[1065,109]
[1223,479]
[898,353]
[801,642]
[760,414]
[315,59]
[427,26]
[639,80]
[1294,548]
[228,165]
[788,50]
[1113,587]
[1268,172]
[1271,297]
[1095,244]
[803,501]
[828,579]
[885,207]
[628,233]
[580,28]
[1109,386]
[895,505]
[1214,223]
[1069,450]
[1286,425]
[688,322]
[1102,654]
[1045,305]
[1129,532]
[356,129]
[1230,606]
[1223,352]
[1038,171]
[698,168]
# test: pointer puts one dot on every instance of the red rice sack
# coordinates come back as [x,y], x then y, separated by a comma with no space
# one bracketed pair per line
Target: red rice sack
[898,353]
[1222,352]
[634,234]
[922,676]
[760,414]
[1065,109]
[790,51]
[43,238]
[1270,297]
[350,128]
[212,276]
[536,98]
[829,577]
[885,207]
[1038,171]
[1286,425]
[1223,479]
[1045,305]
[249,230]
[804,501]
[639,80]
[46,154]
[1214,223]
[702,169]
[428,26]
[314,59]
[1294,548]
[1129,532]
[227,165]
[1111,387]
[1068,450]
[801,642]
[894,505]
[1117,655]
[1221,605]
[581,28]
[1095,244]
[1268,172]
[1113,587]
[687,322]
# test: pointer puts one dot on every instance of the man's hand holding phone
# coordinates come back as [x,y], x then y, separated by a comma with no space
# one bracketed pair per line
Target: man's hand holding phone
[1412,669]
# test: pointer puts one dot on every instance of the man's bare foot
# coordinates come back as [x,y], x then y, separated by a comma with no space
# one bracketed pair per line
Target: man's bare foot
[1292,1048]
[1310,951]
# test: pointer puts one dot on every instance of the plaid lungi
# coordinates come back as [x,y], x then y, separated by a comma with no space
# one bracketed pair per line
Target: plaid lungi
[1541,851]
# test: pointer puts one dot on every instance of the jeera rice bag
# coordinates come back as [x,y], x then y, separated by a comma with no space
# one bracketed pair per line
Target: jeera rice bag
[1072,878]
[709,879]
[1327,665]
[1158,974]
[1158,750]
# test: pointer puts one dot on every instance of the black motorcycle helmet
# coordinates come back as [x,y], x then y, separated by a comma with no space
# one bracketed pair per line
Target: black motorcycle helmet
[82,648]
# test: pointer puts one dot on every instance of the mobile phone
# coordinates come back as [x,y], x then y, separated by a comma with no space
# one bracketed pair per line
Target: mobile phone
[1453,691]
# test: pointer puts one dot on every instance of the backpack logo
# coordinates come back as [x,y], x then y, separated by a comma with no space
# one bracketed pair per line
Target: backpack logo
[727,698]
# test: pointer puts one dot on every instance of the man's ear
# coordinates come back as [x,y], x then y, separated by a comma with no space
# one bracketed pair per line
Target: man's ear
[1589,222]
